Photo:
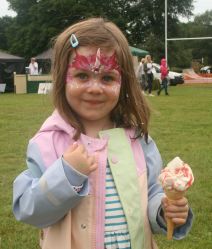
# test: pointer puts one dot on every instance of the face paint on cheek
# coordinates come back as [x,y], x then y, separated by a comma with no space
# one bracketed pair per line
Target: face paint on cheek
[116,90]
[71,83]
[116,87]
[74,85]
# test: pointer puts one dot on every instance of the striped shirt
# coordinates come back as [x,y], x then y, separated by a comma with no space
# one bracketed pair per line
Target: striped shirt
[116,230]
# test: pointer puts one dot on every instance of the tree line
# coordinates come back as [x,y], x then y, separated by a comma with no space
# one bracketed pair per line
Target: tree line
[38,21]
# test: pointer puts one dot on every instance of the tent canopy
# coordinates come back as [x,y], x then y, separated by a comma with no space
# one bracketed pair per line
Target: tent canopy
[138,51]
[5,57]
[8,65]
[44,60]
[46,55]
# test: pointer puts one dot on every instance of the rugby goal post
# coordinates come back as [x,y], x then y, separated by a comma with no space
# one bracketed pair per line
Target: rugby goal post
[176,39]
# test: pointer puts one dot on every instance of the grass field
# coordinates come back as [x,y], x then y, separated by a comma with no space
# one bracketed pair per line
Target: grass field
[181,125]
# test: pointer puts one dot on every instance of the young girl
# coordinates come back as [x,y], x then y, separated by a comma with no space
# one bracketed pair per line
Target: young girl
[164,74]
[91,181]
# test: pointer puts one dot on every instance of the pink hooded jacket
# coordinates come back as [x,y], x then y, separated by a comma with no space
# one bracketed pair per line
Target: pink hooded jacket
[163,69]
[44,196]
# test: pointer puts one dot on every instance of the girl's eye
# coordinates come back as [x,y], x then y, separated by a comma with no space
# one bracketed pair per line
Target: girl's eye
[108,78]
[82,76]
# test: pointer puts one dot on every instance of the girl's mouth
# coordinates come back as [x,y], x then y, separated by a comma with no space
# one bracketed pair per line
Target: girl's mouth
[93,102]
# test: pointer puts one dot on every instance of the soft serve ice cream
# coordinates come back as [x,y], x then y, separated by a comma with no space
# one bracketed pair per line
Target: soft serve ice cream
[177,176]
[175,179]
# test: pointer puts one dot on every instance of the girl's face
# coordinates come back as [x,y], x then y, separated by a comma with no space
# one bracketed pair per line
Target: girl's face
[93,83]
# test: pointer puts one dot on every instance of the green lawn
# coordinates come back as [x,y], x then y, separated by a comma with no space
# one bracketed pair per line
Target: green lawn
[181,125]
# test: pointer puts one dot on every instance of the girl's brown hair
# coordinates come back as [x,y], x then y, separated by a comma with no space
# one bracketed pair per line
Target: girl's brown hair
[132,109]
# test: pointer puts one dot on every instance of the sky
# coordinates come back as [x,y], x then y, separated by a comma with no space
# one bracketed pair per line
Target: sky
[200,6]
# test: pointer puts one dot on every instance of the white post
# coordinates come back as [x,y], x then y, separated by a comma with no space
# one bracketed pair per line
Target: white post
[166,50]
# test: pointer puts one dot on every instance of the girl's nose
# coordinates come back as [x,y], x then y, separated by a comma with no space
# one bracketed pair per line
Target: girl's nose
[95,86]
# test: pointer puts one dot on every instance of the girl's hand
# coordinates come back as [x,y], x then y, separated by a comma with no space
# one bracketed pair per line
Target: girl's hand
[176,210]
[77,156]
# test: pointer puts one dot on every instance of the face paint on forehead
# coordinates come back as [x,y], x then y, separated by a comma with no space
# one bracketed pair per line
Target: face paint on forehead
[96,62]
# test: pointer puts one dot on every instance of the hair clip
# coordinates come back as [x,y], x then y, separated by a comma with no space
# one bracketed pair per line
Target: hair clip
[73,40]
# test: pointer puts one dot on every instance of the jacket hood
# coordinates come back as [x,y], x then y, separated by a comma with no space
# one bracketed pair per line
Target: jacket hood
[56,123]
[163,62]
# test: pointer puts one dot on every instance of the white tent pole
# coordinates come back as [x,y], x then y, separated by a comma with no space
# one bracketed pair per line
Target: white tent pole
[166,50]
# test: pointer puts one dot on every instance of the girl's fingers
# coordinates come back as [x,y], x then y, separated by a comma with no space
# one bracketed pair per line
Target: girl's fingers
[73,146]
[180,205]
[81,148]
[181,202]
[176,209]
[164,203]
[96,155]
[178,221]
[182,215]
[93,167]
[93,163]
[91,160]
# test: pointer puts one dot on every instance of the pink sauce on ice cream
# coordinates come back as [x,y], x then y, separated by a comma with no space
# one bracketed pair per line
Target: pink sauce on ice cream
[176,176]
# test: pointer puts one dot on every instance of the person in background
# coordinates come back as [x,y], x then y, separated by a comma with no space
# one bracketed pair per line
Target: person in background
[148,67]
[92,176]
[33,67]
[141,76]
[164,77]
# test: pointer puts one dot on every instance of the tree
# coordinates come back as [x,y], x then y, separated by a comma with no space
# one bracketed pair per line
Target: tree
[5,23]
[203,27]
[142,21]
[200,27]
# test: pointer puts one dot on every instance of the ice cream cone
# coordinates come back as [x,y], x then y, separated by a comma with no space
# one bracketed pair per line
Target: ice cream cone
[172,195]
[175,179]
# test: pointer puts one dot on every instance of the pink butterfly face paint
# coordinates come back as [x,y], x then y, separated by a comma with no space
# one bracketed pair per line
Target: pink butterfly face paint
[94,70]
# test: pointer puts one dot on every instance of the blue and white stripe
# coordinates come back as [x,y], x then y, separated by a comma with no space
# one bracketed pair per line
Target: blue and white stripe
[116,230]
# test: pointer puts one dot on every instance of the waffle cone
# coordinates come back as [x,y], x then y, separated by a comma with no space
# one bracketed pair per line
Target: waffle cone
[172,195]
